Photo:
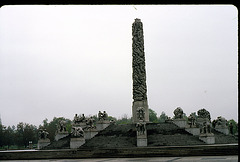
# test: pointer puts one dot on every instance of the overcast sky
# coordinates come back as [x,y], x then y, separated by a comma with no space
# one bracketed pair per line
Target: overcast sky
[56,61]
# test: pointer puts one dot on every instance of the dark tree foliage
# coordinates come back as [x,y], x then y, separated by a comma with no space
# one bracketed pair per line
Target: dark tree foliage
[234,124]
[162,118]
[25,132]
[153,116]
[2,136]
[124,120]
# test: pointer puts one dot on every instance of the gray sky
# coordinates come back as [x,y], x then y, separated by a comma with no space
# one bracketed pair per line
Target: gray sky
[60,60]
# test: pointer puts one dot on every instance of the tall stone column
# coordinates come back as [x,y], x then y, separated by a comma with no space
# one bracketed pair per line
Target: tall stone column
[140,105]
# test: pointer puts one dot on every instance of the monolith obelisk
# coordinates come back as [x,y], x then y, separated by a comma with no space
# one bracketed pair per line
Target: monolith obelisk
[140,105]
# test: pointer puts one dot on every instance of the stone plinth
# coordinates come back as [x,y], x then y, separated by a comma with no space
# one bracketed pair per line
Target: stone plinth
[223,130]
[141,142]
[142,135]
[137,104]
[182,123]
[100,125]
[141,139]
[82,125]
[60,135]
[43,143]
[76,142]
[194,131]
[90,133]
[208,138]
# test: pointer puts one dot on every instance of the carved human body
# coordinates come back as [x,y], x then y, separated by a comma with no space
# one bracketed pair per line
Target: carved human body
[77,132]
[139,73]
[178,112]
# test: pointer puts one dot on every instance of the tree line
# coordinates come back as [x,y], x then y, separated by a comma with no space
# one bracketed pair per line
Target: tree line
[18,137]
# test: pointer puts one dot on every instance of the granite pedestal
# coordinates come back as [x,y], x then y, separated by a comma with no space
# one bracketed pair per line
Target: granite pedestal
[101,125]
[80,124]
[208,138]
[60,135]
[194,131]
[182,123]
[137,104]
[141,142]
[43,143]
[222,130]
[76,142]
[90,133]
[142,135]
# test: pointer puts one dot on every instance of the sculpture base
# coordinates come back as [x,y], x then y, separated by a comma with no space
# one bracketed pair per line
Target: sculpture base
[60,135]
[223,130]
[43,143]
[182,123]
[137,104]
[76,142]
[100,125]
[141,142]
[207,138]
[90,133]
[194,131]
[82,125]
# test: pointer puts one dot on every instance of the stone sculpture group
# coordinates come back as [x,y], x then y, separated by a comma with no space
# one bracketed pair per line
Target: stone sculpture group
[77,132]
[86,128]
[79,119]
[61,127]
[102,116]
[192,120]
[178,112]
[139,72]
[43,134]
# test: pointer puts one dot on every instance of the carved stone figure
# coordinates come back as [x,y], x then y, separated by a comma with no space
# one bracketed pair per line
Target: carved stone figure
[42,134]
[202,113]
[138,63]
[140,113]
[231,128]
[112,122]
[139,73]
[192,120]
[82,118]
[140,128]
[77,132]
[79,119]
[221,122]
[76,119]
[105,115]
[90,123]
[178,112]
[205,128]
[61,126]
[214,122]
[102,116]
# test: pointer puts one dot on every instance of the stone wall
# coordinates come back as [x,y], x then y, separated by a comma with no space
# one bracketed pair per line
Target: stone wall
[204,150]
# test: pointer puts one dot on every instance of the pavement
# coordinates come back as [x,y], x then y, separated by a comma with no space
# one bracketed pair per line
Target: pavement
[233,158]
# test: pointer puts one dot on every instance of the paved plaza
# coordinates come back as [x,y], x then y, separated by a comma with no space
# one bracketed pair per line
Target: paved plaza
[147,159]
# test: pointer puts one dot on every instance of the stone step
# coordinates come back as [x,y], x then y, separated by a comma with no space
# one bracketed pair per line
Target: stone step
[62,143]
[158,134]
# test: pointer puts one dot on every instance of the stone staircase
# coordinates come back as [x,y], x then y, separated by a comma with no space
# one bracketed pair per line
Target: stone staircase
[221,138]
[168,134]
[63,143]
[158,134]
[114,136]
